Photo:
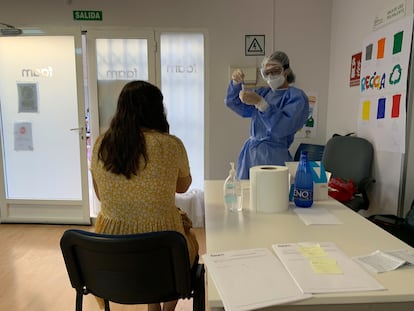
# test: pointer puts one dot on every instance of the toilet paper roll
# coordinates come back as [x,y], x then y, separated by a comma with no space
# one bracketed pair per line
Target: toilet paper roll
[269,188]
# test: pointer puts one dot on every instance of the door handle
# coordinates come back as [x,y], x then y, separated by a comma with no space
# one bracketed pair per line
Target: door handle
[79,129]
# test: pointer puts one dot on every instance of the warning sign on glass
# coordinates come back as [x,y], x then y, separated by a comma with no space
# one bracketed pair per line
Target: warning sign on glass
[355,74]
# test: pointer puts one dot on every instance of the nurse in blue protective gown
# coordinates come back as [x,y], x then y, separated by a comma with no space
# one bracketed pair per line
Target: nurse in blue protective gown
[277,112]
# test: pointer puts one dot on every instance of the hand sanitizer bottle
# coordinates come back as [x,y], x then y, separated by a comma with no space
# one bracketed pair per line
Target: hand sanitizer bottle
[232,191]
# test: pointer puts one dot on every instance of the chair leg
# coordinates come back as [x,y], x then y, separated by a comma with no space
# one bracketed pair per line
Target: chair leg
[202,304]
[106,302]
[79,300]
[199,299]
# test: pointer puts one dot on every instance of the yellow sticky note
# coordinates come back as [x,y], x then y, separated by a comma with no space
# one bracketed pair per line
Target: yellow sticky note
[325,265]
[312,251]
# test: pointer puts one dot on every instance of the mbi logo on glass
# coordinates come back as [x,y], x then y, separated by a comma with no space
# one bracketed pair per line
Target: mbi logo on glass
[46,72]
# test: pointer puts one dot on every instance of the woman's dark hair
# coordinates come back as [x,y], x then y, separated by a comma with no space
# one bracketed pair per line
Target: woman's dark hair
[140,106]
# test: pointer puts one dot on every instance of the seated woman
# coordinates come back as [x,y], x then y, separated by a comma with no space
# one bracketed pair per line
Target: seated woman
[137,167]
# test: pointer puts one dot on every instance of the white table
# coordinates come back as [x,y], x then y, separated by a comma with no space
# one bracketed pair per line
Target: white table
[356,236]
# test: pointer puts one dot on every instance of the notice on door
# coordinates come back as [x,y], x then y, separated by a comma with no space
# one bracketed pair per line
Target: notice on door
[28,97]
[23,140]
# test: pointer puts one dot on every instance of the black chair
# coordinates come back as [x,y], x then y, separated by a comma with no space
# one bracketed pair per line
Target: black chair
[315,152]
[402,228]
[132,269]
[351,157]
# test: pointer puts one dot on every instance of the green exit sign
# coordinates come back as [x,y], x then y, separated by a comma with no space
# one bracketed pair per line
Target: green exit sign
[87,15]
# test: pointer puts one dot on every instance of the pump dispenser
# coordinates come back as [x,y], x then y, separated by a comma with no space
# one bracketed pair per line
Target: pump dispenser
[232,191]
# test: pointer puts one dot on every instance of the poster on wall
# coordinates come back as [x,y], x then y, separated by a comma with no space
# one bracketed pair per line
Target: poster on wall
[355,72]
[384,72]
[309,129]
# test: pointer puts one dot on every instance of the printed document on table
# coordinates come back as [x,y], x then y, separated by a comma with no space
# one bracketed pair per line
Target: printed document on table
[404,254]
[250,279]
[324,268]
[316,216]
[379,261]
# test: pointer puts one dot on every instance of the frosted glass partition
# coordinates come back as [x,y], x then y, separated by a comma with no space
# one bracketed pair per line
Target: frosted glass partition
[182,83]
[118,61]
[122,59]
[39,106]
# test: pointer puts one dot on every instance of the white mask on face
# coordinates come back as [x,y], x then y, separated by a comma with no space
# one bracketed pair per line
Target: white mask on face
[275,81]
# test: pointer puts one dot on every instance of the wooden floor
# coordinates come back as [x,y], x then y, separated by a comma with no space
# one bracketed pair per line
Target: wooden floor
[33,276]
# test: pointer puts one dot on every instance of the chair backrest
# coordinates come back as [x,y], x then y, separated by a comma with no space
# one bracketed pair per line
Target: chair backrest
[315,152]
[348,157]
[128,269]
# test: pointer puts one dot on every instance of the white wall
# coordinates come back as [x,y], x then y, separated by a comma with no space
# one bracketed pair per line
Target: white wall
[352,22]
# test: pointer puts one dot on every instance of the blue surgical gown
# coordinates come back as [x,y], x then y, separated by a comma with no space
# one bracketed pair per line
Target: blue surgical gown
[271,131]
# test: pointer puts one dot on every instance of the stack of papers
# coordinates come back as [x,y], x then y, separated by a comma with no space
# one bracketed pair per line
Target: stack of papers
[255,278]
[379,261]
[251,279]
[324,268]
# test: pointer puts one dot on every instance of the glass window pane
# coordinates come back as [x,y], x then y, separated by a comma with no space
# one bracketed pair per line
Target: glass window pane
[38,94]
[182,83]
[118,61]
[122,59]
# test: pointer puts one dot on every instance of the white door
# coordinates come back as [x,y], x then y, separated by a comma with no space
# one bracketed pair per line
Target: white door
[114,57]
[175,64]
[43,171]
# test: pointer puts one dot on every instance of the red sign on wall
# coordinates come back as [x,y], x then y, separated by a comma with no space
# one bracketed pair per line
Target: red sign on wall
[355,73]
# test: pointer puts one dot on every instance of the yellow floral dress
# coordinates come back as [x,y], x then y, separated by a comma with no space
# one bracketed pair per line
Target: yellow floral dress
[146,202]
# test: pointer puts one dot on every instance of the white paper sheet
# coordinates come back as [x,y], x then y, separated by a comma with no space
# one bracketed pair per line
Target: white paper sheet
[316,216]
[352,278]
[251,279]
[379,261]
[404,254]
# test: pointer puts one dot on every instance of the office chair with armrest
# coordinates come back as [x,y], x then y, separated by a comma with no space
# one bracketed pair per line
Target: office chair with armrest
[132,269]
[315,152]
[350,157]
